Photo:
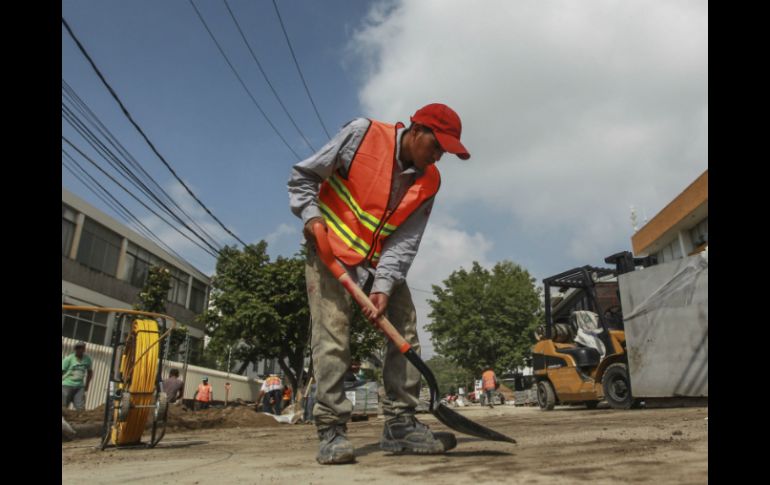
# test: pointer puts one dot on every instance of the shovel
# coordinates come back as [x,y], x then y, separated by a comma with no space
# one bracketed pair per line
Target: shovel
[444,414]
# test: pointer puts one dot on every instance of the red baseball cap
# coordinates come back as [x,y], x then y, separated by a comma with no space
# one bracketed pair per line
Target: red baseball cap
[446,126]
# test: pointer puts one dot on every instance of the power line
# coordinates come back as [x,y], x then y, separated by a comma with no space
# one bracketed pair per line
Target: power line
[221,51]
[82,107]
[264,74]
[418,289]
[106,154]
[121,167]
[115,204]
[212,251]
[138,128]
[307,90]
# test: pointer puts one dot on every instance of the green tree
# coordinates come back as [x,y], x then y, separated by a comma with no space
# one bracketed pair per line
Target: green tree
[449,375]
[259,310]
[483,318]
[153,296]
[153,299]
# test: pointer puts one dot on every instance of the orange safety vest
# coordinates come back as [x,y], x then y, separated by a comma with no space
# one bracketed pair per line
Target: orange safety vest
[355,206]
[488,380]
[204,393]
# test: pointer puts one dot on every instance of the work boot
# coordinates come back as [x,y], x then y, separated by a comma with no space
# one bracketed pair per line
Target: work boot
[404,434]
[335,447]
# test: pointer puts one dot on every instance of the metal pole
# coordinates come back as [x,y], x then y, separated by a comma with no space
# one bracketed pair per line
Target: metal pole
[229,353]
[166,349]
[186,356]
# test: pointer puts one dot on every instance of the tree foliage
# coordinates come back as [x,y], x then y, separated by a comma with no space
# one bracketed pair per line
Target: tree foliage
[153,299]
[259,310]
[449,375]
[486,318]
[153,296]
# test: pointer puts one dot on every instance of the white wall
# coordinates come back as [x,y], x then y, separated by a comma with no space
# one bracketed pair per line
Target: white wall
[242,387]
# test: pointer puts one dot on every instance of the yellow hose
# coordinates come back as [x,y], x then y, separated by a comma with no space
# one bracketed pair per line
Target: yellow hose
[139,367]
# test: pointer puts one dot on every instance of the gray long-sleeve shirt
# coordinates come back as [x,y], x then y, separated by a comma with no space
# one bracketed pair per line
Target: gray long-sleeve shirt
[398,249]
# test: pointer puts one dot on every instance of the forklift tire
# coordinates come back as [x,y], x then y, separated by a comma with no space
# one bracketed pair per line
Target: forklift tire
[617,387]
[546,397]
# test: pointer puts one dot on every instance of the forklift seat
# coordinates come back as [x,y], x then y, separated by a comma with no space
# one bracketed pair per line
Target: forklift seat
[584,356]
[588,330]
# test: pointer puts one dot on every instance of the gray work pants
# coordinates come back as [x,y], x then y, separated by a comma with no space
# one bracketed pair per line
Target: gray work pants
[330,308]
[75,395]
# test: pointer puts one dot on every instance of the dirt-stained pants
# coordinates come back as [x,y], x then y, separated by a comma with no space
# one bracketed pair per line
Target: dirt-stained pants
[330,307]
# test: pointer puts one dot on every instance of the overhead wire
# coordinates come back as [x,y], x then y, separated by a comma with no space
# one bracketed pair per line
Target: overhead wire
[118,165]
[211,250]
[264,74]
[296,63]
[139,129]
[82,107]
[240,80]
[111,201]
[95,145]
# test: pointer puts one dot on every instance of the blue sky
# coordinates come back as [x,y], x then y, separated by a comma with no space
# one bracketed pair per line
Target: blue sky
[573,112]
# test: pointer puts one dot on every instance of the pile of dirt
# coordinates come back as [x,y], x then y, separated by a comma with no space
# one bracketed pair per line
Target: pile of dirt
[181,418]
[506,392]
[95,415]
[230,417]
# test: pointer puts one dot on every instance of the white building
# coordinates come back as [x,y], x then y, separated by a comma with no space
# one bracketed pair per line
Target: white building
[105,264]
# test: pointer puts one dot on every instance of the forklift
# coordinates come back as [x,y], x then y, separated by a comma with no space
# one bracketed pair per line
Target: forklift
[580,356]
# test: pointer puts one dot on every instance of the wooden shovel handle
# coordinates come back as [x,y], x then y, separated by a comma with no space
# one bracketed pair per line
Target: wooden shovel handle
[327,257]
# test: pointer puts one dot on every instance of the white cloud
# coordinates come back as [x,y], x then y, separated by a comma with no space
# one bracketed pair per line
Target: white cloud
[182,245]
[565,105]
[572,111]
[281,232]
[444,249]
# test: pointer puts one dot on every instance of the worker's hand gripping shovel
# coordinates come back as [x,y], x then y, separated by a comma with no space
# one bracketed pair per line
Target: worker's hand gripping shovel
[444,414]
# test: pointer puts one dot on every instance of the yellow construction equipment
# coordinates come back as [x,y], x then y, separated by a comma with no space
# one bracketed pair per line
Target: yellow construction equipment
[134,392]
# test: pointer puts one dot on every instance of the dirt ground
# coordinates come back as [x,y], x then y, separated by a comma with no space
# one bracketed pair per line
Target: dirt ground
[567,445]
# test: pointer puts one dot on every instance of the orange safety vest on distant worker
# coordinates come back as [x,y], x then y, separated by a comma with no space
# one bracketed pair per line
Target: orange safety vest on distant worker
[355,207]
[204,393]
[488,380]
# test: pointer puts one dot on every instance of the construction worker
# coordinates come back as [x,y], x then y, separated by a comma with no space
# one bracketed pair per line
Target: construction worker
[76,368]
[173,387]
[372,188]
[489,384]
[204,395]
[271,394]
[286,398]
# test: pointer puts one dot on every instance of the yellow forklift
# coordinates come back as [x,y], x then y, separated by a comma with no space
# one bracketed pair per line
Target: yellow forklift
[580,356]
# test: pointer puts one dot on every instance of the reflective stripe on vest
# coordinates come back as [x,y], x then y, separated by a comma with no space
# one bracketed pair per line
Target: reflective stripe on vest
[355,207]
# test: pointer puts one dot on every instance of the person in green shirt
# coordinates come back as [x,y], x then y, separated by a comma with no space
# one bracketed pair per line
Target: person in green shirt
[75,369]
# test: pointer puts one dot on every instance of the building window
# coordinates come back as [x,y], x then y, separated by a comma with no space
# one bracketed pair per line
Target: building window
[195,353]
[672,251]
[197,296]
[700,233]
[68,218]
[177,292]
[99,248]
[138,262]
[86,326]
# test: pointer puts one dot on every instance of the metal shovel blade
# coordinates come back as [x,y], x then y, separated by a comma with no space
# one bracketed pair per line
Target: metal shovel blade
[451,418]
[462,424]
